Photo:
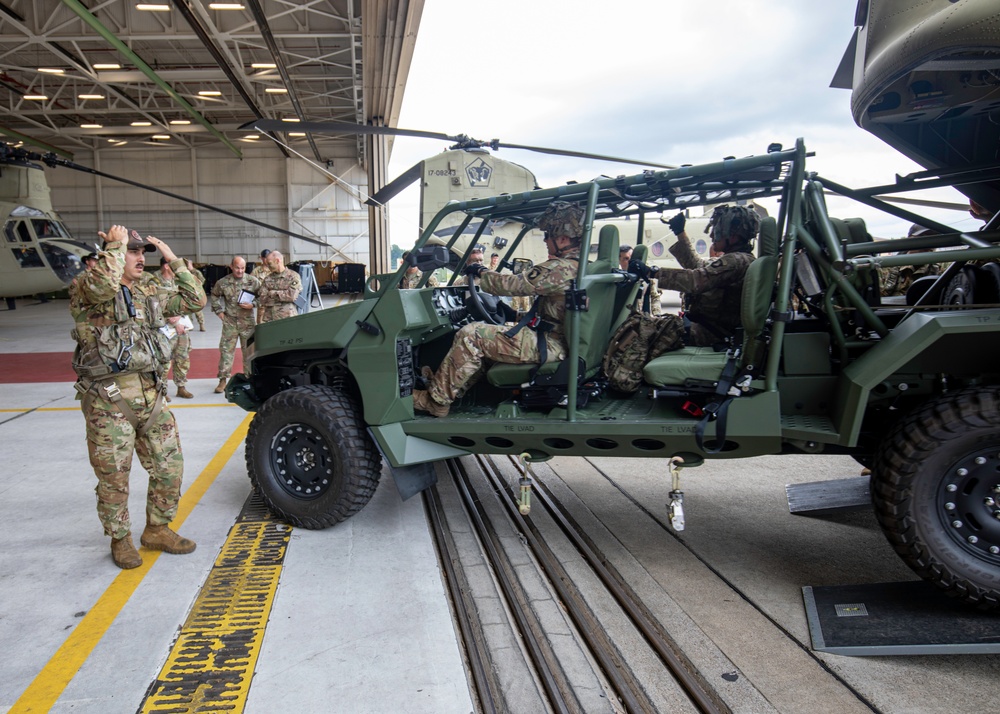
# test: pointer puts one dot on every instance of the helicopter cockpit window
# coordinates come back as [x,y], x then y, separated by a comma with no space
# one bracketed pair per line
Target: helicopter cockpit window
[28,257]
[9,233]
[26,211]
[47,229]
[18,232]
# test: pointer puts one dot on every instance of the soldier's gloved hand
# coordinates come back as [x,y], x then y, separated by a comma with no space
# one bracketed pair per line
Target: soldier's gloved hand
[474,270]
[641,269]
[677,223]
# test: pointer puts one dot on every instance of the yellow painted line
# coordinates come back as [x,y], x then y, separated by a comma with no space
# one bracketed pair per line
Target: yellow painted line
[50,683]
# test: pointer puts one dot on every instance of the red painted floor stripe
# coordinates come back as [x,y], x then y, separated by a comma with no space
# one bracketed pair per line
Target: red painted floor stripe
[27,367]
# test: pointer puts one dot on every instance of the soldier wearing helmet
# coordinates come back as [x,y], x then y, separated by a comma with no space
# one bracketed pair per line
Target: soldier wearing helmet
[712,289]
[537,338]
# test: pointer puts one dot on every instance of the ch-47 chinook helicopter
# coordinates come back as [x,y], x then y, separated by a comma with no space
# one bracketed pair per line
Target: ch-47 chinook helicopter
[38,253]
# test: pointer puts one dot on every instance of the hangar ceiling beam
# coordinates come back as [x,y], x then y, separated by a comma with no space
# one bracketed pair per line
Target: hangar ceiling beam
[272,46]
[190,13]
[104,32]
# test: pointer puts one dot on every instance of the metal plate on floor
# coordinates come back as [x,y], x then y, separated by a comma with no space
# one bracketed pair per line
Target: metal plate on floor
[911,618]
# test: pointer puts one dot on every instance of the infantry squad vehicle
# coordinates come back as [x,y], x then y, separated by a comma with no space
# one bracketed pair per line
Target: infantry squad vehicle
[909,386]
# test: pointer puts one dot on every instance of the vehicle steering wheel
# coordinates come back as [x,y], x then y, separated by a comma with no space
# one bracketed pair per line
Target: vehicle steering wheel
[483,306]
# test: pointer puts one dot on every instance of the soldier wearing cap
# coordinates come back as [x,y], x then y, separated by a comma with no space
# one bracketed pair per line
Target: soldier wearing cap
[180,357]
[712,288]
[537,339]
[121,355]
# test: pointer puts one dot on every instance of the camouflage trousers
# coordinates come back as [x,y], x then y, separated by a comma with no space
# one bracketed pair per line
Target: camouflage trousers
[232,331]
[180,358]
[476,344]
[199,317]
[277,311]
[111,441]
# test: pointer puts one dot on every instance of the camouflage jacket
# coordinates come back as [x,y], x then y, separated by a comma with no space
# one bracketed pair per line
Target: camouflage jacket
[412,280]
[897,280]
[713,290]
[117,330]
[225,294]
[548,280]
[277,295]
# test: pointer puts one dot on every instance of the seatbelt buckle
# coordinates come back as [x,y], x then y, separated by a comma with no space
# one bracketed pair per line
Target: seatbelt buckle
[533,322]
[692,408]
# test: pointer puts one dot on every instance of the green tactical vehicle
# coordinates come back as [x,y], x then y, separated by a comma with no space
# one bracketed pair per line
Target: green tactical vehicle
[908,386]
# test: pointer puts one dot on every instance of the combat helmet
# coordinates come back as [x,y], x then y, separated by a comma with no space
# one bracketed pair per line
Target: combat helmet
[562,218]
[733,228]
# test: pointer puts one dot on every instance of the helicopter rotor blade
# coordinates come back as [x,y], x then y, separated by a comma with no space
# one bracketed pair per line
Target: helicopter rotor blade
[342,127]
[394,187]
[582,155]
[928,203]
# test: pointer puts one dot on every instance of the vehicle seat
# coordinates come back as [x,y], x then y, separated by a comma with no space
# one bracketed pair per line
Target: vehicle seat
[595,326]
[704,364]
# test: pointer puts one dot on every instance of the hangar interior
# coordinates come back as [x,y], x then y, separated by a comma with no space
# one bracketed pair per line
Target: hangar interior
[157,93]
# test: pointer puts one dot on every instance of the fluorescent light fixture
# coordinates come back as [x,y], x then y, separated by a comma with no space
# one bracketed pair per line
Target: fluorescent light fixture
[179,121]
[276,90]
[142,123]
[51,70]
[224,6]
[252,136]
[296,133]
[161,136]
[91,126]
[210,93]
[291,120]
[90,96]
[109,65]
[149,7]
[263,65]
[35,97]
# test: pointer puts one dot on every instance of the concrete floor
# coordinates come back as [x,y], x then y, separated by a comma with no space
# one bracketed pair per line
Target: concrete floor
[360,620]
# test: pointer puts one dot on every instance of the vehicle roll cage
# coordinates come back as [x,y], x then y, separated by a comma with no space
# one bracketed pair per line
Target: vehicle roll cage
[803,225]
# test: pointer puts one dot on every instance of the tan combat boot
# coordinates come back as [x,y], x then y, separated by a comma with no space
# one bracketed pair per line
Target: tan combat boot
[222,386]
[162,538]
[422,401]
[183,393]
[124,553]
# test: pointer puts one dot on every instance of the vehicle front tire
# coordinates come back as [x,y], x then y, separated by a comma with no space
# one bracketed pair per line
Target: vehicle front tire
[309,456]
[936,490]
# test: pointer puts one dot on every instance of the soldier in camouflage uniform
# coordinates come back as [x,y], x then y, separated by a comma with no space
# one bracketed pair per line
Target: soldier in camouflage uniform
[713,288]
[261,269]
[237,317]
[279,290]
[199,316]
[475,258]
[165,285]
[412,276]
[897,279]
[120,360]
[544,341]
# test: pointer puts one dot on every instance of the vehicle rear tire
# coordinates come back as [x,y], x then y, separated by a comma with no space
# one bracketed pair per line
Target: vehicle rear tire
[309,456]
[936,486]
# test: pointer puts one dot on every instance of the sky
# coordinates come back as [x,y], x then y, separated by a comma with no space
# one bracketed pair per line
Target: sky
[669,81]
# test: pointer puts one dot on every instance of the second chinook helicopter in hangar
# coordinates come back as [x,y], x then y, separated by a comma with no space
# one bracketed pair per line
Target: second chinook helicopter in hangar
[38,254]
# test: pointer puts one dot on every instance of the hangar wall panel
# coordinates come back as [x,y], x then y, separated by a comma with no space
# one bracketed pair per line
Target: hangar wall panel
[290,194]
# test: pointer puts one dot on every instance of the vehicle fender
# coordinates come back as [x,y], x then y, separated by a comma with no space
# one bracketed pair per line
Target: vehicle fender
[911,339]
[401,449]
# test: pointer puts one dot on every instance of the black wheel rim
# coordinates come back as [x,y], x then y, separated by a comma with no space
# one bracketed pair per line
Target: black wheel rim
[301,461]
[968,503]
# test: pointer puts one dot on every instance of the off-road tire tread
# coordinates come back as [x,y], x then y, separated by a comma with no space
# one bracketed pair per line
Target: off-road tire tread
[910,441]
[338,413]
